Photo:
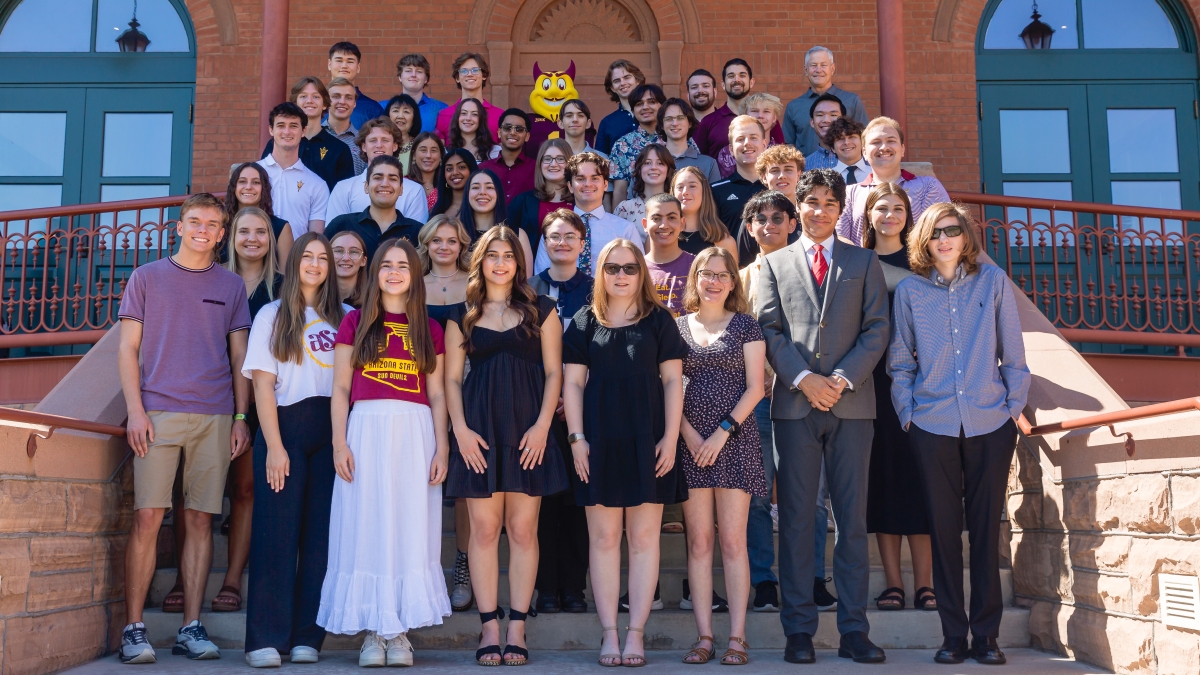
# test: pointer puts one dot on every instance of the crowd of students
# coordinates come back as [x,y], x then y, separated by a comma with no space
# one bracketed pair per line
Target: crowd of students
[715,320]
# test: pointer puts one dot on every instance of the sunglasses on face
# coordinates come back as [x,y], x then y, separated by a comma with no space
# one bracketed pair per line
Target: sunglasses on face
[630,270]
[951,232]
[776,218]
[512,127]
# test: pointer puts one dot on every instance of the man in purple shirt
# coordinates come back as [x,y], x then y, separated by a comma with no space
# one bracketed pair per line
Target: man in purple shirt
[668,263]
[512,166]
[737,80]
[883,148]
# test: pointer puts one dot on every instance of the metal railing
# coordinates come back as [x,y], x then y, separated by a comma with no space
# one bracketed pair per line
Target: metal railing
[1098,267]
[1108,419]
[43,425]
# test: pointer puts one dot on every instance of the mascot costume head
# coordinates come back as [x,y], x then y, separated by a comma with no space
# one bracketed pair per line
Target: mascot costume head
[551,90]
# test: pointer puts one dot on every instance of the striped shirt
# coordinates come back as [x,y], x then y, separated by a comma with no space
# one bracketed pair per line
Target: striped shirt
[955,370]
[923,192]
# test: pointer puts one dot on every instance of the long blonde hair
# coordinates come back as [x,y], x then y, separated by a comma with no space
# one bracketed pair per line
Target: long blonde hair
[270,264]
[647,297]
[919,259]
[287,335]
[734,302]
[712,228]
[426,235]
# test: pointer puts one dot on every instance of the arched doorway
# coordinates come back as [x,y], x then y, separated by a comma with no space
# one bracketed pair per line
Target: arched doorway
[80,119]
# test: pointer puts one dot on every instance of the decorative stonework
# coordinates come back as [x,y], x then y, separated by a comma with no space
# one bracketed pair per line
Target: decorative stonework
[586,21]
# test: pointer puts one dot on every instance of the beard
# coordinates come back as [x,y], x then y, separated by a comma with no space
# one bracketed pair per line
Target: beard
[701,108]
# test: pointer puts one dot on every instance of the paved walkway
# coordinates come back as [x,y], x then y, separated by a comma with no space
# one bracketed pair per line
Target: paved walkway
[764,662]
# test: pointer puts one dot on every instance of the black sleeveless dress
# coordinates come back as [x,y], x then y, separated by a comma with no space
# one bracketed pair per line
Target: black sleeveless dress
[502,398]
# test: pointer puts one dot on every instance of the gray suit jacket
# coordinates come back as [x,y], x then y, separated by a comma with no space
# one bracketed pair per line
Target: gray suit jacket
[848,335]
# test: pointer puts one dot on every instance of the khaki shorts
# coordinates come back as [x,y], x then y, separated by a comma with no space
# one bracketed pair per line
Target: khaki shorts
[204,442]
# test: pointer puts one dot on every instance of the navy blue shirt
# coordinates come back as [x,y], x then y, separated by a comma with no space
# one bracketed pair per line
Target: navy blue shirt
[614,125]
[365,226]
[572,294]
[324,155]
[365,110]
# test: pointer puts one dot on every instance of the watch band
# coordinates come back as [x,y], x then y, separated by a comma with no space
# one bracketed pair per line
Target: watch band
[574,438]
[734,426]
[240,417]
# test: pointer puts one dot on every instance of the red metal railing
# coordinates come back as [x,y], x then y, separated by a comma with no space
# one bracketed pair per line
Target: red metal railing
[1110,418]
[1098,267]
[43,425]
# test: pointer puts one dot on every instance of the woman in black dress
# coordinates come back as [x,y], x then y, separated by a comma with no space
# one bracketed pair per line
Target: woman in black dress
[503,457]
[623,399]
[895,498]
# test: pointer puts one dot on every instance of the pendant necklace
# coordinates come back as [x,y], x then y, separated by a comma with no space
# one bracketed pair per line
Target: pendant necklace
[444,283]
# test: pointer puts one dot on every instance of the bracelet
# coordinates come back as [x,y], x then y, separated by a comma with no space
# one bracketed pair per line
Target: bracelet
[734,426]
[239,417]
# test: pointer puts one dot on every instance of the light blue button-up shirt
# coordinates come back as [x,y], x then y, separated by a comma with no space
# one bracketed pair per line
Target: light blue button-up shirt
[957,358]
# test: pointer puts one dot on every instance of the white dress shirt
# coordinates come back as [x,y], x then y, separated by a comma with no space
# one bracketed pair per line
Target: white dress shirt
[350,196]
[861,170]
[605,227]
[810,252]
[297,194]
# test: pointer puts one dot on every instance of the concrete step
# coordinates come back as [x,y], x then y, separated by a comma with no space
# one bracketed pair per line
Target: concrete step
[666,630]
[670,581]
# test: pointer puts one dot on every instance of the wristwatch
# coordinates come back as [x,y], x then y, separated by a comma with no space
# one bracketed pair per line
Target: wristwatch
[730,425]
[574,438]
[239,417]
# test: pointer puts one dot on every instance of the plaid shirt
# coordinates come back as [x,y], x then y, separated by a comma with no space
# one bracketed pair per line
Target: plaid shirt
[923,192]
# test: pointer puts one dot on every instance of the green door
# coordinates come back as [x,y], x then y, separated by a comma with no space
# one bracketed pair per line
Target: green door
[40,130]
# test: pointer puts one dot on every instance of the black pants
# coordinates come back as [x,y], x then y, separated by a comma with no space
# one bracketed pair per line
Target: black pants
[293,523]
[970,473]
[563,544]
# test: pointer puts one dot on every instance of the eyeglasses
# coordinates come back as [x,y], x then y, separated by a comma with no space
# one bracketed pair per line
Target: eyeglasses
[548,159]
[470,71]
[776,219]
[951,232]
[674,118]
[353,253]
[512,127]
[561,238]
[709,275]
[630,270]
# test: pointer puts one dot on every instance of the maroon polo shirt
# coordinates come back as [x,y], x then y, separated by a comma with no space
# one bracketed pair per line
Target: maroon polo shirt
[517,178]
[713,132]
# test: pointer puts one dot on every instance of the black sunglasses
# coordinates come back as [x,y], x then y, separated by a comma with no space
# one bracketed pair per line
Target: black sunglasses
[952,231]
[630,270]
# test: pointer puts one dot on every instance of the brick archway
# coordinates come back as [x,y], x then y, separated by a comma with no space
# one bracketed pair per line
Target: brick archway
[658,31]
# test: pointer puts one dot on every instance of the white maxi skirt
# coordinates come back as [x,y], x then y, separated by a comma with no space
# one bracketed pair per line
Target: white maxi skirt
[385,528]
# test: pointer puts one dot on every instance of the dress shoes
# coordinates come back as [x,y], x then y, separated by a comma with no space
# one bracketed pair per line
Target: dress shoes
[986,651]
[573,602]
[800,649]
[547,603]
[954,650]
[856,645]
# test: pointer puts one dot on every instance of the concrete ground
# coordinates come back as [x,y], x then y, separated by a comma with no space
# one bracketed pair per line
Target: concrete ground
[763,662]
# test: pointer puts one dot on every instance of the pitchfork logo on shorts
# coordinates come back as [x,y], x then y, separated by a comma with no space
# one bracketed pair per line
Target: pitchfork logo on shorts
[398,373]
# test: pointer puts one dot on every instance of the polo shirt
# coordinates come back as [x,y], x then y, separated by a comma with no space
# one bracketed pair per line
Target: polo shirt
[731,196]
[429,108]
[347,137]
[517,178]
[693,157]
[349,196]
[923,192]
[365,110]
[446,114]
[324,155]
[365,226]
[795,122]
[713,132]
[614,125]
[297,194]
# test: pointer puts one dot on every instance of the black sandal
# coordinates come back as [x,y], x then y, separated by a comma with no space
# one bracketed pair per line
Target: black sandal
[484,617]
[520,654]
[890,595]
[924,596]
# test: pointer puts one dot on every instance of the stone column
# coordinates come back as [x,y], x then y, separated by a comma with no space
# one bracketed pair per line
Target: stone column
[892,84]
[273,83]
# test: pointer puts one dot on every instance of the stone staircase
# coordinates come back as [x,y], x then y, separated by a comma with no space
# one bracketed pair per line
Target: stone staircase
[668,629]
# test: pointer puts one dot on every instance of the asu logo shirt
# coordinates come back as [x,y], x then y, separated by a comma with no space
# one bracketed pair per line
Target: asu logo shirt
[394,374]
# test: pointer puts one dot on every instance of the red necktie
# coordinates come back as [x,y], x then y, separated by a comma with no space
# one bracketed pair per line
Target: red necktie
[819,267]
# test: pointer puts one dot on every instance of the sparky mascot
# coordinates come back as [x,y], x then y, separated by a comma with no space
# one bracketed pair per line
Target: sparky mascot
[550,91]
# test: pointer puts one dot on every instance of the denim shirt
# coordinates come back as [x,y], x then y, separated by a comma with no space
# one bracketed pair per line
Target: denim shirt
[957,358]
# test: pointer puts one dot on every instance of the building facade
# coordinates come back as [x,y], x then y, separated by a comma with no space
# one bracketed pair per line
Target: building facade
[1108,113]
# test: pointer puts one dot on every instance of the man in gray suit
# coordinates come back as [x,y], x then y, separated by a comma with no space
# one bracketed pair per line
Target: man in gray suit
[823,307]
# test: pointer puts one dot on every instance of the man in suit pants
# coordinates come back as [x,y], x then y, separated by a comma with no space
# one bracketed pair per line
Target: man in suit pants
[823,307]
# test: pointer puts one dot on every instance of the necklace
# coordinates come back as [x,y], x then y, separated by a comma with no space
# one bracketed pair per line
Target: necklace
[445,285]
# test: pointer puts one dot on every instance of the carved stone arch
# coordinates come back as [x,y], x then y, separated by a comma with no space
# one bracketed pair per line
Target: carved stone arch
[227,24]
[943,20]
[492,20]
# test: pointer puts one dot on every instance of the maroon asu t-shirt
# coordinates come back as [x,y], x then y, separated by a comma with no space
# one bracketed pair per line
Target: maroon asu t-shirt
[394,374]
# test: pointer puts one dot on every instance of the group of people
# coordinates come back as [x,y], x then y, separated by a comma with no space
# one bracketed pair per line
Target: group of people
[713,320]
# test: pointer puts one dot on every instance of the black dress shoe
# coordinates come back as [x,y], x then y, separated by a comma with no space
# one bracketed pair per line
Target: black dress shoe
[954,650]
[573,602]
[800,649]
[856,645]
[547,603]
[986,651]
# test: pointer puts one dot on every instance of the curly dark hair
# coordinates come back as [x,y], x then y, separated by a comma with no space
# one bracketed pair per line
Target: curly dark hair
[814,178]
[231,205]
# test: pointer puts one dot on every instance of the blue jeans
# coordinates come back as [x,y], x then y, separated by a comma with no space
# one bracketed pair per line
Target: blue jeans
[760,540]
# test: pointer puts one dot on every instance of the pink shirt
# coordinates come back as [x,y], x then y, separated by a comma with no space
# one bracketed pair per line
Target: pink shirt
[447,114]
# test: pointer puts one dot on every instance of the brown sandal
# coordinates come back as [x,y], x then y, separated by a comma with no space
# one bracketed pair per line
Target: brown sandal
[633,660]
[173,602]
[734,657]
[229,599]
[696,650]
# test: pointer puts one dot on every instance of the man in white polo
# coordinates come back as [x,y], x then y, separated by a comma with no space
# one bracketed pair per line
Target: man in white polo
[298,195]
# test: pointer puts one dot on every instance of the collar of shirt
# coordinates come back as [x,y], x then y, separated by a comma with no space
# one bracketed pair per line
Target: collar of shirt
[833,89]
[827,246]
[905,176]
[960,273]
[860,165]
[739,179]
[365,217]
[568,285]
[598,212]
[691,152]
[725,111]
[521,159]
[350,130]
[269,160]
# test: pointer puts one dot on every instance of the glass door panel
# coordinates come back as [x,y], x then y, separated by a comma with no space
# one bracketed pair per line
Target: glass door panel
[136,137]
[40,131]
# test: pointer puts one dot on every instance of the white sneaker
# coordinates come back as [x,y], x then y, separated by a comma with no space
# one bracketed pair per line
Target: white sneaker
[304,655]
[399,651]
[374,651]
[192,641]
[267,657]
[135,646]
